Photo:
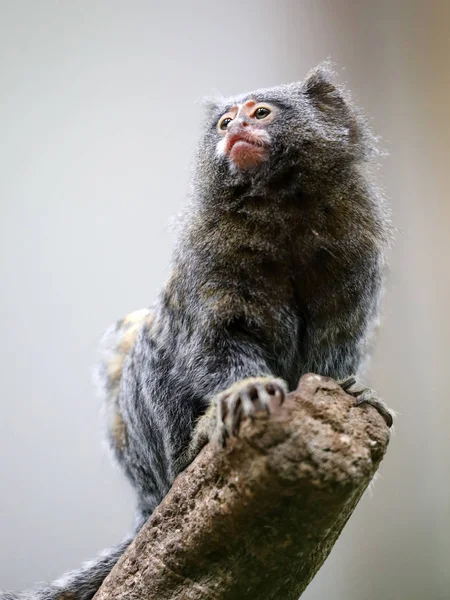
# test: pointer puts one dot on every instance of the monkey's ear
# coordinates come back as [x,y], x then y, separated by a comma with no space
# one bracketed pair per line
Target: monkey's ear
[321,89]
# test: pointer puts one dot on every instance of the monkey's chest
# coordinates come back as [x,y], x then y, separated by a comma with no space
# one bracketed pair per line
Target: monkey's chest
[247,285]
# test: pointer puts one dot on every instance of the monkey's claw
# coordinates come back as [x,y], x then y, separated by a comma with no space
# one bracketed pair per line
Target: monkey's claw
[244,399]
[366,395]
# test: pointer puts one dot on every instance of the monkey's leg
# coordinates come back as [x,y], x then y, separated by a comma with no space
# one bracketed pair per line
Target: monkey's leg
[141,419]
[366,395]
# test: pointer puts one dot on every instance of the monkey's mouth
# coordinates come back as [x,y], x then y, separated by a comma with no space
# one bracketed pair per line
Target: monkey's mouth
[243,140]
[241,144]
[245,151]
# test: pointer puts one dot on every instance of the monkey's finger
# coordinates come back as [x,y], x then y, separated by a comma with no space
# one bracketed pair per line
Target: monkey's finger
[232,418]
[264,398]
[348,383]
[384,411]
[248,405]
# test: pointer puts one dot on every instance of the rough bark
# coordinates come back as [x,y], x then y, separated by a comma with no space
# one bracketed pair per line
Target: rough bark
[257,519]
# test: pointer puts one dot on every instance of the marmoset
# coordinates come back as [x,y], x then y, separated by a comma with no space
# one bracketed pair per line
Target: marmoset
[278,271]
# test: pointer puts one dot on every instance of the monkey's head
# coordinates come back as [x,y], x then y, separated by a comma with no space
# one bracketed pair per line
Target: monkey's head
[307,128]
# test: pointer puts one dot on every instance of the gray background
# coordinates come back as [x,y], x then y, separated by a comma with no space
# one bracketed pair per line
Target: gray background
[99,116]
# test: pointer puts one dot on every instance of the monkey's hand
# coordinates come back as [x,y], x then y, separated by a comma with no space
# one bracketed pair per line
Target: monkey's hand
[242,399]
[362,394]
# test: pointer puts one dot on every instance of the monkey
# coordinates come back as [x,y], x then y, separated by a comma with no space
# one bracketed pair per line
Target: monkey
[279,270]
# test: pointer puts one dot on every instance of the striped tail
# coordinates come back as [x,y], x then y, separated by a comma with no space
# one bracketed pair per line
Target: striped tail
[81,584]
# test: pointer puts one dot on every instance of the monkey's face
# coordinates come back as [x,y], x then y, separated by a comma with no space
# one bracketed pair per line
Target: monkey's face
[305,130]
[244,136]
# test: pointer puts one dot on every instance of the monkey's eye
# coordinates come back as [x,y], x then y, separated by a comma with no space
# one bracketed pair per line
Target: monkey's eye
[224,122]
[262,112]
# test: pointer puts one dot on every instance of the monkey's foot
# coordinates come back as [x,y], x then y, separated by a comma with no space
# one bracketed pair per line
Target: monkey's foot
[368,396]
[244,399]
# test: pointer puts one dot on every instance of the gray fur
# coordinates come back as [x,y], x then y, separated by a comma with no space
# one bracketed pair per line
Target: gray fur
[278,272]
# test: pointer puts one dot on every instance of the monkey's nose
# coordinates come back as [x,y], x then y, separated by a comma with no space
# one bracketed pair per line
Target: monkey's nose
[238,123]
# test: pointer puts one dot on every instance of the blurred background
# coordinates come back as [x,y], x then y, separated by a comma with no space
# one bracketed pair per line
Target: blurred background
[99,118]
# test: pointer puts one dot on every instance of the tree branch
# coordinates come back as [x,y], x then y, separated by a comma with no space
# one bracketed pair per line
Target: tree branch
[256,520]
